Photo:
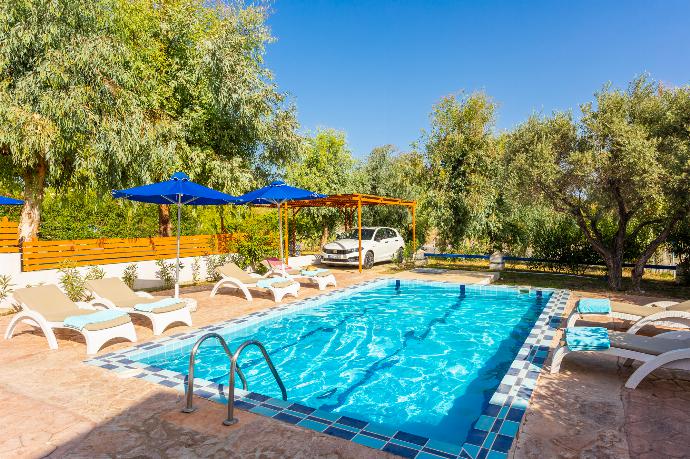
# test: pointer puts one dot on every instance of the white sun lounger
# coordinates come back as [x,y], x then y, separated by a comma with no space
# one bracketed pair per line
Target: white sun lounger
[47,307]
[113,293]
[662,313]
[321,279]
[235,277]
[667,350]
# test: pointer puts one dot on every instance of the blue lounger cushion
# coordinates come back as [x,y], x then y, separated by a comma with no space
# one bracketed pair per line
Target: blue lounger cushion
[594,306]
[587,338]
[151,307]
[268,282]
[81,321]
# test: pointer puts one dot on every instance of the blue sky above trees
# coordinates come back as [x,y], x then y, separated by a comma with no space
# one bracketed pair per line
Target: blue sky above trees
[375,68]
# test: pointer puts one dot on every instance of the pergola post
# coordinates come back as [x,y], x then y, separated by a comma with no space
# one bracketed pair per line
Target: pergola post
[359,231]
[414,230]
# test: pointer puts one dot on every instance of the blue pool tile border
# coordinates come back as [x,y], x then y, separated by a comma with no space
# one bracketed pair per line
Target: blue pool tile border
[493,432]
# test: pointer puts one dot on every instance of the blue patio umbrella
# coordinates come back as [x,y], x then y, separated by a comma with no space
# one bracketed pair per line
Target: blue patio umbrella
[275,194]
[179,190]
[5,201]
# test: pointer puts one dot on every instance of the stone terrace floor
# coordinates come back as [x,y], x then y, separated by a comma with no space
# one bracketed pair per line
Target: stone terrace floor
[52,404]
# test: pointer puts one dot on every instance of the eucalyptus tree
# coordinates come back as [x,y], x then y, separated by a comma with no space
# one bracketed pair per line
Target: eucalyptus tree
[68,108]
[219,113]
[461,153]
[621,171]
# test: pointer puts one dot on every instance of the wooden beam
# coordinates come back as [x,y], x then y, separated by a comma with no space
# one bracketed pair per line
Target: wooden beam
[414,232]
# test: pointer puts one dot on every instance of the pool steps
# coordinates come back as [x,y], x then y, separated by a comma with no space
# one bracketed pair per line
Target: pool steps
[234,369]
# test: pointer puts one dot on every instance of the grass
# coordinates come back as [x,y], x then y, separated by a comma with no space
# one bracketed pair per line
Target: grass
[657,286]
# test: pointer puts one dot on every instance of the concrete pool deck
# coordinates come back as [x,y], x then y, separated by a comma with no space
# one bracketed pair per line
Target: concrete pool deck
[52,404]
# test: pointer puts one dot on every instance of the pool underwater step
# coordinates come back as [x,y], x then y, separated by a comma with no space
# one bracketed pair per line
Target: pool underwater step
[231,419]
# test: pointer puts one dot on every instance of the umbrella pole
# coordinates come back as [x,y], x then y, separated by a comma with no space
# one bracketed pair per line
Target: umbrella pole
[177,265]
[280,233]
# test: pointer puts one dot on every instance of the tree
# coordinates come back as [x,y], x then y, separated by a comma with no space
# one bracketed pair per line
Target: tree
[68,111]
[217,112]
[112,93]
[387,172]
[325,165]
[621,171]
[460,151]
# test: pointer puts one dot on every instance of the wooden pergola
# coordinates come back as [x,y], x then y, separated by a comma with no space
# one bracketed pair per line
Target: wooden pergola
[348,203]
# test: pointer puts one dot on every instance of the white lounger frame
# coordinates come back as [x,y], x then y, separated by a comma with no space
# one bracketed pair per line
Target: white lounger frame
[94,339]
[675,319]
[159,320]
[678,359]
[321,281]
[278,292]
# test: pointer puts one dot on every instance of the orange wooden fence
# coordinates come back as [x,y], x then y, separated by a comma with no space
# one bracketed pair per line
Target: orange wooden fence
[37,255]
[8,236]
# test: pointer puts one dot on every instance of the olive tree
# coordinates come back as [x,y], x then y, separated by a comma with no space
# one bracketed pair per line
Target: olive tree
[324,165]
[388,172]
[620,171]
[461,151]
[217,111]
[68,110]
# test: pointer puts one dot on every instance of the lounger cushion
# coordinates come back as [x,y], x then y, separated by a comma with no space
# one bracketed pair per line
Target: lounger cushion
[109,323]
[681,307]
[111,288]
[282,284]
[49,301]
[278,282]
[232,270]
[646,344]
[635,310]
[130,303]
[55,306]
[115,290]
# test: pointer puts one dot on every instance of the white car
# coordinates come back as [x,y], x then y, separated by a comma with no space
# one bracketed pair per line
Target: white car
[378,244]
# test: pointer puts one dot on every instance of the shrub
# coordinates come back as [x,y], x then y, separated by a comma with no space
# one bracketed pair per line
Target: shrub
[71,281]
[405,258]
[5,286]
[130,274]
[252,250]
[166,273]
[563,244]
[94,272]
[212,262]
[196,267]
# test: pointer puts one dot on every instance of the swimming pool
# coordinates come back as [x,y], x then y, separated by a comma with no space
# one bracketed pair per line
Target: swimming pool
[425,358]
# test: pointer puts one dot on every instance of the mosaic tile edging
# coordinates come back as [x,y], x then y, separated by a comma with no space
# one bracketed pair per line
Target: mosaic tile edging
[493,432]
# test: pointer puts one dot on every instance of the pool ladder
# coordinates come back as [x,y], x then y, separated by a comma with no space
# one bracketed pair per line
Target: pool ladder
[231,419]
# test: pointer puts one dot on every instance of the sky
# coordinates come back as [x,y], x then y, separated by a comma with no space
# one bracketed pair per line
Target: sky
[374,69]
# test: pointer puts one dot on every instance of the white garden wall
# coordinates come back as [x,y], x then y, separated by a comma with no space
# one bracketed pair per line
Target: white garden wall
[10,264]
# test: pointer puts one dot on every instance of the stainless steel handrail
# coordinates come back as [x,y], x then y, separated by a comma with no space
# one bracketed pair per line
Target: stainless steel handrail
[231,385]
[192,357]
[233,369]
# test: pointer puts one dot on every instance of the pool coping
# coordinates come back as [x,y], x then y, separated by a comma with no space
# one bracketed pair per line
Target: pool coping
[492,434]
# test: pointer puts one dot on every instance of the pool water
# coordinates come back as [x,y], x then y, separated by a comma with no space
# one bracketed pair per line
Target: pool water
[419,356]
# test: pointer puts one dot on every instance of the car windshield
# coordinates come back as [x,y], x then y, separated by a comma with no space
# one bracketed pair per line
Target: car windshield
[367,233]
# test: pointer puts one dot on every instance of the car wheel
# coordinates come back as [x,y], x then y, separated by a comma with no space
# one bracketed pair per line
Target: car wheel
[368,260]
[398,255]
